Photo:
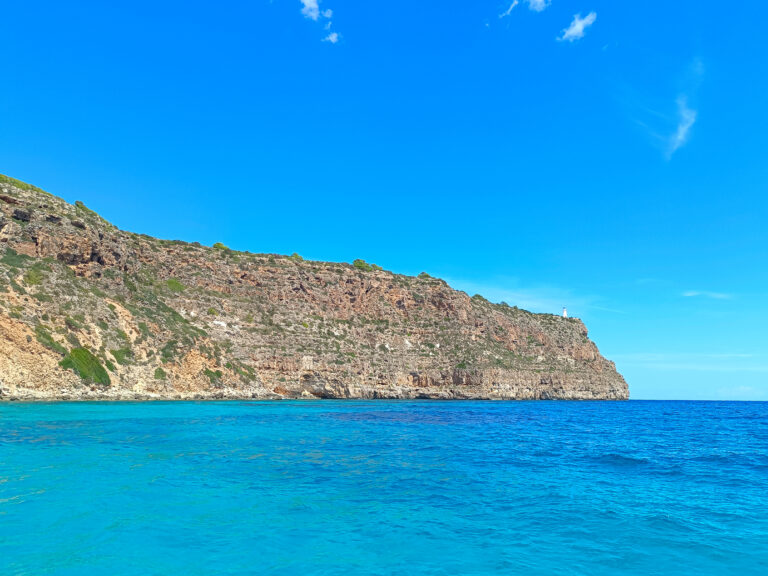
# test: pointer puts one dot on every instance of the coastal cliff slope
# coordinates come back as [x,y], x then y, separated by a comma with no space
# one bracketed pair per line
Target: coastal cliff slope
[88,311]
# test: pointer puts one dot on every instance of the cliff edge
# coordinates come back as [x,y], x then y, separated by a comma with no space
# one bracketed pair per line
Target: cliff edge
[88,311]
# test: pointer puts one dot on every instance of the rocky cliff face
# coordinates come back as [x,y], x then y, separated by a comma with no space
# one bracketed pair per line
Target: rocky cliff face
[88,311]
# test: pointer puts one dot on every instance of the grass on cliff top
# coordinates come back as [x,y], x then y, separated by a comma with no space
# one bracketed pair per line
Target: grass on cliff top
[86,365]
[19,184]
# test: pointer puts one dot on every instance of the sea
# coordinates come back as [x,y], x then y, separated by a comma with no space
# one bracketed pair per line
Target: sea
[384,488]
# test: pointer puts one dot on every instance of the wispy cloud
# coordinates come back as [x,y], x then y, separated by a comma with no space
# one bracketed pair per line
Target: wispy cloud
[508,11]
[578,27]
[538,5]
[686,120]
[540,298]
[535,5]
[311,10]
[694,362]
[671,128]
[706,294]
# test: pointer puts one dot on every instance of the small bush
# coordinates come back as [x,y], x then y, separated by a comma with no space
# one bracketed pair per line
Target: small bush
[122,355]
[424,276]
[16,288]
[144,329]
[45,338]
[168,352]
[72,324]
[174,285]
[14,259]
[160,374]
[85,365]
[33,277]
[220,246]
[362,265]
[213,376]
[212,312]
[295,257]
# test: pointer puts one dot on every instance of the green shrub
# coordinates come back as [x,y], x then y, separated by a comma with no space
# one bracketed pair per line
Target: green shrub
[174,285]
[72,324]
[144,329]
[362,265]
[424,276]
[33,277]
[213,376]
[85,365]
[168,352]
[45,338]
[122,355]
[220,246]
[14,259]
[295,257]
[212,312]
[82,207]
[16,288]
[111,367]
[159,373]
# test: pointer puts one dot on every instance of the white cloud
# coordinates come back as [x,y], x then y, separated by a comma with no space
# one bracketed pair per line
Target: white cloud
[535,5]
[578,26]
[538,5]
[311,9]
[705,294]
[508,11]
[669,122]
[540,298]
[686,120]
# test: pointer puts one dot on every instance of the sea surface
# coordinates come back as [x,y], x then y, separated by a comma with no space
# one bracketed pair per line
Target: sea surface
[358,487]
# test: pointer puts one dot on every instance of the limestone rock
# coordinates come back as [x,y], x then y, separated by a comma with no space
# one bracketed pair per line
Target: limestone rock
[177,320]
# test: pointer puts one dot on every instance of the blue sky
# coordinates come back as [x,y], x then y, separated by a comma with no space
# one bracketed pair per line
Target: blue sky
[607,156]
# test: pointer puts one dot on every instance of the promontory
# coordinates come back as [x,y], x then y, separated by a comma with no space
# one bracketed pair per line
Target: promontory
[88,311]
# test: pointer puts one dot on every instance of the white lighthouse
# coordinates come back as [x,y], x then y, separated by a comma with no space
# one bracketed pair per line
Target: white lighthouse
[565,312]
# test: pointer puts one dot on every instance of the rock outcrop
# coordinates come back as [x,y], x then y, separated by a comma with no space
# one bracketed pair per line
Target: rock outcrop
[88,311]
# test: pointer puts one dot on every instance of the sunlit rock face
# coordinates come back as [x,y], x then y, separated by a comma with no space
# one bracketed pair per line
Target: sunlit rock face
[167,319]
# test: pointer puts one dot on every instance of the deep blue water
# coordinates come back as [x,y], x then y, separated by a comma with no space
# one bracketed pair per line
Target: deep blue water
[406,488]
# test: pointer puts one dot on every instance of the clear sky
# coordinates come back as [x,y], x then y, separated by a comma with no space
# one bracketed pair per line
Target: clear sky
[608,156]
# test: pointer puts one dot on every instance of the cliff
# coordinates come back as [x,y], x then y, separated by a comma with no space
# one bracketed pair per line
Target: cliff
[88,311]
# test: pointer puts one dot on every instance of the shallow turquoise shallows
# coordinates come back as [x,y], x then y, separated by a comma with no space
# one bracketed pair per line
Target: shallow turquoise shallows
[380,487]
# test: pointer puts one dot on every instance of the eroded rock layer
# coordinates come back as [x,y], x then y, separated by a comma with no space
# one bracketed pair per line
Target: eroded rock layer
[88,311]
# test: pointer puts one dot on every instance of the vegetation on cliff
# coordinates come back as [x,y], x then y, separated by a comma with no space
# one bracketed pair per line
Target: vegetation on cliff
[108,313]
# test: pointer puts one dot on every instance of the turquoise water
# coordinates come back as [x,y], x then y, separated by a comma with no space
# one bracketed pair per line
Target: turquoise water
[324,487]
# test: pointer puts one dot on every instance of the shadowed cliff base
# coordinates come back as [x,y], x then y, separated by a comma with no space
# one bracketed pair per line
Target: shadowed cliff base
[88,311]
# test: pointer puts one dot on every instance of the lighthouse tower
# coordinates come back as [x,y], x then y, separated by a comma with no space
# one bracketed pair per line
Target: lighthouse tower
[565,312]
